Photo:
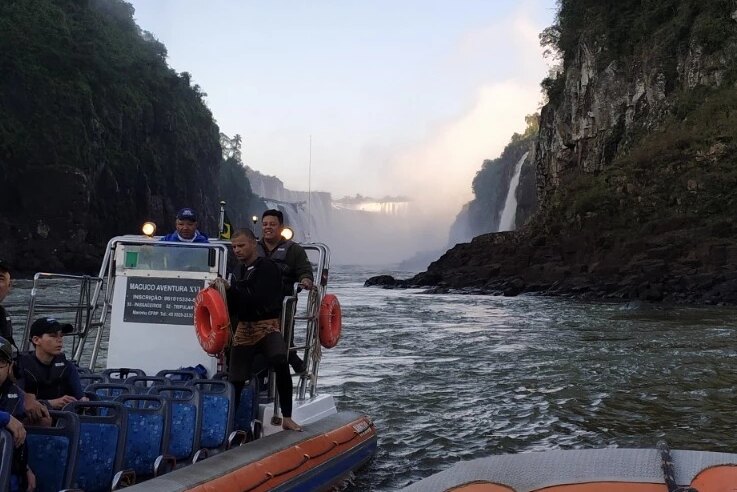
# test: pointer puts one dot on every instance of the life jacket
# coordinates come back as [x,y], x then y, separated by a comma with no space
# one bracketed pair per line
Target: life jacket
[46,382]
[279,256]
[11,401]
[6,325]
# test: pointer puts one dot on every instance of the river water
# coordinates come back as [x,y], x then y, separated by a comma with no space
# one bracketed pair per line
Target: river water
[456,377]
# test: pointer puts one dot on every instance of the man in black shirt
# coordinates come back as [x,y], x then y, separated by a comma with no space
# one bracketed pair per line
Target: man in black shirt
[6,283]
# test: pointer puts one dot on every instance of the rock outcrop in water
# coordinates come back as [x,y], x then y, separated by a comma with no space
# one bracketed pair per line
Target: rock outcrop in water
[636,163]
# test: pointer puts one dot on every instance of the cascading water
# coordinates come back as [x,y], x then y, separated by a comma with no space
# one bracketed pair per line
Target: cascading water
[509,213]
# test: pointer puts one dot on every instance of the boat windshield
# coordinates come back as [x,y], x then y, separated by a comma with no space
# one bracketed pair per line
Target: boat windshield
[168,257]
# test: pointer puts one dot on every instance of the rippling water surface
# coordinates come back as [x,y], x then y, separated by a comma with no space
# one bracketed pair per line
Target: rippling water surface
[451,377]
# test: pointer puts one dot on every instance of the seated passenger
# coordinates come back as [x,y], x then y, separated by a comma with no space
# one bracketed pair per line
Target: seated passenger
[12,412]
[45,373]
[186,225]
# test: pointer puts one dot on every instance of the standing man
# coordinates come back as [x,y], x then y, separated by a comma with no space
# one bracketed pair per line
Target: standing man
[6,283]
[186,225]
[291,259]
[254,299]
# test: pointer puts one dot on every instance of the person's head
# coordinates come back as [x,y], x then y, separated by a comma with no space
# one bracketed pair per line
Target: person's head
[5,281]
[6,360]
[47,335]
[186,223]
[272,224]
[243,242]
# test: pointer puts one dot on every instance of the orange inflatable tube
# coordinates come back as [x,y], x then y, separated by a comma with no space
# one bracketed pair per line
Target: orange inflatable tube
[331,320]
[211,320]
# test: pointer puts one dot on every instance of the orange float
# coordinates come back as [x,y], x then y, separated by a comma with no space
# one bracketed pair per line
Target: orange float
[331,320]
[211,320]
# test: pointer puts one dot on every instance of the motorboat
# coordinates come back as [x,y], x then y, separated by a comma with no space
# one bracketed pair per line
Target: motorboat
[161,415]
[590,470]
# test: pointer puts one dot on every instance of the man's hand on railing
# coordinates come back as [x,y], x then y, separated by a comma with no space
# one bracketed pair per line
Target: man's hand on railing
[306,284]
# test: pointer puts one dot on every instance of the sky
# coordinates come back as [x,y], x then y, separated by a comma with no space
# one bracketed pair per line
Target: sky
[371,97]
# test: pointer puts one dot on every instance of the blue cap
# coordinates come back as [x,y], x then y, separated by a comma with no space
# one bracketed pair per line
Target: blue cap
[187,214]
[49,325]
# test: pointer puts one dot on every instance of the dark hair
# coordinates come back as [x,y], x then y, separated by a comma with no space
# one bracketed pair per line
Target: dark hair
[274,213]
[243,232]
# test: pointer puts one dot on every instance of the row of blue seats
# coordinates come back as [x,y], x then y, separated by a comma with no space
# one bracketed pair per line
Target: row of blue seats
[131,432]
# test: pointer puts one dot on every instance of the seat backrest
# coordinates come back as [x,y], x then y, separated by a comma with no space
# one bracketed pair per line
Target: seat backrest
[52,452]
[120,374]
[141,384]
[148,431]
[178,376]
[88,379]
[6,458]
[101,443]
[247,410]
[218,411]
[185,416]
[109,391]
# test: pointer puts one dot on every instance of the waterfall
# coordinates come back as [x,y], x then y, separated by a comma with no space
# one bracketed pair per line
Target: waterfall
[509,213]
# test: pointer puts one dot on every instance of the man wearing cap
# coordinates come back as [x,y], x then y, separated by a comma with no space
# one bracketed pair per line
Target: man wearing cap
[45,371]
[6,283]
[186,225]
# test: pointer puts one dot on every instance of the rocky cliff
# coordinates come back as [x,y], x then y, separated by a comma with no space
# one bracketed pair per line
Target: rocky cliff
[635,162]
[97,133]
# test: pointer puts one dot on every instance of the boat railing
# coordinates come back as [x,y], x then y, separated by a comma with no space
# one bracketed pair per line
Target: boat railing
[309,318]
[81,308]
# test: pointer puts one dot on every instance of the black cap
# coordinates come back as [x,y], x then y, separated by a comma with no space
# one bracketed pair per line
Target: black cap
[6,350]
[4,266]
[49,325]
[187,214]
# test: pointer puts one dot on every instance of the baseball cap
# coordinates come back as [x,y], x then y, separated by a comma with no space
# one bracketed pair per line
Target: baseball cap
[49,325]
[4,266]
[187,214]
[6,350]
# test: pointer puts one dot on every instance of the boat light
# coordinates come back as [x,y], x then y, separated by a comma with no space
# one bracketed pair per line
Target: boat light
[254,218]
[287,233]
[149,228]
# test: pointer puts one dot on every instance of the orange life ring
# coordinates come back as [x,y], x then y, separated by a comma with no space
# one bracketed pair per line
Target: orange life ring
[211,320]
[330,321]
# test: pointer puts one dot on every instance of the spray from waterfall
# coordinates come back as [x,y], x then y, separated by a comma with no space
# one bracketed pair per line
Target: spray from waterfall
[509,213]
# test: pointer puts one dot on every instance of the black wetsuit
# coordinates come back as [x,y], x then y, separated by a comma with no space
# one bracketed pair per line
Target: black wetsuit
[12,401]
[6,326]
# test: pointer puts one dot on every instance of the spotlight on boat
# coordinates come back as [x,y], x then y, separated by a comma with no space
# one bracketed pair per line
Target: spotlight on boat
[149,228]
[254,218]
[287,233]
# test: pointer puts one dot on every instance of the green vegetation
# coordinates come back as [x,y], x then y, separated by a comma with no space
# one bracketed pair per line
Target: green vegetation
[85,92]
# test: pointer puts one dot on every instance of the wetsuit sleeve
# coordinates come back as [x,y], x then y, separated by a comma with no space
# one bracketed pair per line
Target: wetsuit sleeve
[73,384]
[302,266]
[4,419]
[6,327]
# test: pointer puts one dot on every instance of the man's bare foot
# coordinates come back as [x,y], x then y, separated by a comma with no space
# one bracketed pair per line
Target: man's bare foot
[289,424]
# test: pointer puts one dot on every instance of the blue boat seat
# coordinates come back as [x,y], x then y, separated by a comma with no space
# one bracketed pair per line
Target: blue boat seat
[120,374]
[185,419]
[6,458]
[91,378]
[178,376]
[141,384]
[102,440]
[247,411]
[52,452]
[148,434]
[109,391]
[218,414]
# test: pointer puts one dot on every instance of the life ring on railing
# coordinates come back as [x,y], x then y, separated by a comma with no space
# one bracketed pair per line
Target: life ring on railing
[331,320]
[211,320]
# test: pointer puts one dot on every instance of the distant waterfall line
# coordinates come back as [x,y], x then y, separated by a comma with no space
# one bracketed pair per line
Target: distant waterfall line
[509,212]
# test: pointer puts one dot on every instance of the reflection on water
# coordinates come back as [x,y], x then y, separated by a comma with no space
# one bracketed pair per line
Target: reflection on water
[449,377]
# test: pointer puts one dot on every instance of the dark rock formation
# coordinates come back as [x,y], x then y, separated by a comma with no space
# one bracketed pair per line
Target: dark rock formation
[386,281]
[97,134]
[636,164]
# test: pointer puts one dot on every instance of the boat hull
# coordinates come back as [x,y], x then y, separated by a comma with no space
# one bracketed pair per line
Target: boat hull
[600,470]
[318,458]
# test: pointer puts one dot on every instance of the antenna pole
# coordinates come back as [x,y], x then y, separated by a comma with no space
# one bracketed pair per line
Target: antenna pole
[309,195]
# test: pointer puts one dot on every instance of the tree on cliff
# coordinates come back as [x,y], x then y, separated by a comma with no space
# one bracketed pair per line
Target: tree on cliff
[97,132]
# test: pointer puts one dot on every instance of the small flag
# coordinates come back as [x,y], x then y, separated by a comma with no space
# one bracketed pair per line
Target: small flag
[227,228]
